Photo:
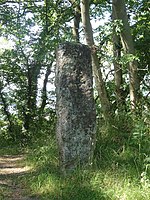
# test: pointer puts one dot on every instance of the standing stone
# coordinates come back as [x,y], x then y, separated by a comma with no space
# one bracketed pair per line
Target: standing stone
[75,107]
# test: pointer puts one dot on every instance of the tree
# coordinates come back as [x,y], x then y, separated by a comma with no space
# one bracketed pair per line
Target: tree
[77,18]
[22,65]
[120,13]
[140,29]
[117,48]
[106,106]
[34,30]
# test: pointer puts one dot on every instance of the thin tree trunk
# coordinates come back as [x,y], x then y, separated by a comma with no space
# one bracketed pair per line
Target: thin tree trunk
[44,90]
[32,77]
[117,66]
[6,111]
[106,107]
[127,42]
[76,21]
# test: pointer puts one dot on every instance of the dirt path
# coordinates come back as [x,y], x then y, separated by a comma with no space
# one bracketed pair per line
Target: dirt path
[10,170]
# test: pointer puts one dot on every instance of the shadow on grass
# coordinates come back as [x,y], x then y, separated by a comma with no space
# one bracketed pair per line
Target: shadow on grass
[48,183]
[76,193]
[115,162]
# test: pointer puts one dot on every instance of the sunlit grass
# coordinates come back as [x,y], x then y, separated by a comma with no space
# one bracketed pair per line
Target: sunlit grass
[120,171]
[117,174]
[9,150]
[2,192]
[119,186]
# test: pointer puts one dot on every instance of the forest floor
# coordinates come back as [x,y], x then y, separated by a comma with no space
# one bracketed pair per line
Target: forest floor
[120,171]
[11,169]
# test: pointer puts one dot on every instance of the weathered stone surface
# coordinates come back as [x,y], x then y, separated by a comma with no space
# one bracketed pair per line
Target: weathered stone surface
[75,107]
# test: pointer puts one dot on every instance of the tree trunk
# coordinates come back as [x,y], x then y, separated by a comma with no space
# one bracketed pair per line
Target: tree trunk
[100,85]
[127,42]
[32,77]
[6,111]
[76,21]
[44,90]
[75,106]
[117,66]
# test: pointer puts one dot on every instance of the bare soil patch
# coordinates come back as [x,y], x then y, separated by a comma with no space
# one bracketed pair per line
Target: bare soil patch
[11,168]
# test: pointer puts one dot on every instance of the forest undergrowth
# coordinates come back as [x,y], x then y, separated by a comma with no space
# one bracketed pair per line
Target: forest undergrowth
[120,170]
[117,32]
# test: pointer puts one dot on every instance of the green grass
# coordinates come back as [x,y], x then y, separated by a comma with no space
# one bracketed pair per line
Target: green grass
[2,192]
[119,172]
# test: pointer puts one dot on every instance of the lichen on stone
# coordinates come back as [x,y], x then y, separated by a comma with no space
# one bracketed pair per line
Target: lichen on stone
[75,107]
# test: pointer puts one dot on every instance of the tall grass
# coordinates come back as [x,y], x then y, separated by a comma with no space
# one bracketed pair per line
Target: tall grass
[120,171]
